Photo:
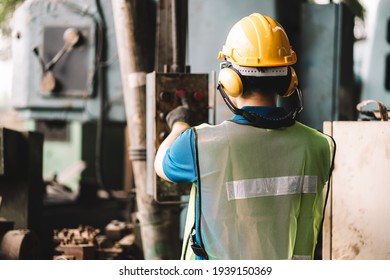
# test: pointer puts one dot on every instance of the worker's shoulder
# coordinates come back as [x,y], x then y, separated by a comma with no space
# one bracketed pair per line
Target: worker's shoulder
[207,127]
[203,126]
[212,133]
[310,132]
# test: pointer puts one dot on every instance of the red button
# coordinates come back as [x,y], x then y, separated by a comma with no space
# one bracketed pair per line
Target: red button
[180,92]
[198,95]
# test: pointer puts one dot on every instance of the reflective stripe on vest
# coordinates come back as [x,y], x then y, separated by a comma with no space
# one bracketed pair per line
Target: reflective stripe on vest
[261,190]
[260,187]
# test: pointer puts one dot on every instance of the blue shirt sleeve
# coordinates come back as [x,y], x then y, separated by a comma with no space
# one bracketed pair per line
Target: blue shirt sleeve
[179,161]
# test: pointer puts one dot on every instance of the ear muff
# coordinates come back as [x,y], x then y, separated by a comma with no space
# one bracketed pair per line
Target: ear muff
[230,79]
[293,83]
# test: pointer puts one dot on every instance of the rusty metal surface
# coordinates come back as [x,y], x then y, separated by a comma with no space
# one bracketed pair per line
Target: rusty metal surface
[89,243]
[79,243]
[357,224]
[116,230]
[80,252]
[83,235]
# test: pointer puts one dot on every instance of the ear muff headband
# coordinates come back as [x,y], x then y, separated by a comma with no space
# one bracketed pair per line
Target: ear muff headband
[232,82]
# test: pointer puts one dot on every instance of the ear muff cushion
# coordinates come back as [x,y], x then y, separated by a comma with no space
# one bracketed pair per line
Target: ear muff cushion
[231,82]
[293,83]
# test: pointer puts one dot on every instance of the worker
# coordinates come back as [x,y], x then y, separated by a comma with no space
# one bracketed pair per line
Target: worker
[259,178]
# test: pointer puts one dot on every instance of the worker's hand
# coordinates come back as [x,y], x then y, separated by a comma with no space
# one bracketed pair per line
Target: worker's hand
[179,114]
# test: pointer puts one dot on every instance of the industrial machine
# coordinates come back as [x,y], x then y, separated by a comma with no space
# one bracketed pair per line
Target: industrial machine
[66,65]
[116,241]
[165,91]
[21,194]
[67,83]
[67,86]
[17,244]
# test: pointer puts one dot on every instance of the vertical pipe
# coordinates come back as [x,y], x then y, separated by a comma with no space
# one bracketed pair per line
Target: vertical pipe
[175,48]
[156,222]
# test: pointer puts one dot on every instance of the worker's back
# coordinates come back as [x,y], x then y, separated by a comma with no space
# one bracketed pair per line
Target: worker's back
[261,190]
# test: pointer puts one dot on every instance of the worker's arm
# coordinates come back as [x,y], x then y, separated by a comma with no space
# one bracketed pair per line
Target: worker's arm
[177,128]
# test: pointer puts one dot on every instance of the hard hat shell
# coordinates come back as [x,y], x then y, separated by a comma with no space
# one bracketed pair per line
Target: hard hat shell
[258,41]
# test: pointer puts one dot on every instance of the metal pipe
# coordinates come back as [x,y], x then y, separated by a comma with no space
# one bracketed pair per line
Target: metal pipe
[175,48]
[155,222]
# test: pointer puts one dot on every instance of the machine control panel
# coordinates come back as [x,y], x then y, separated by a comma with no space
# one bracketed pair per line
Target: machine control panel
[165,92]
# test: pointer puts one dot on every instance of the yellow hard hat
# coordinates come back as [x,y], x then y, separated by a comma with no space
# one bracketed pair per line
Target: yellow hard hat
[258,41]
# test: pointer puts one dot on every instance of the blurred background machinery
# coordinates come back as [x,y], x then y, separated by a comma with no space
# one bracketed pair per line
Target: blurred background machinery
[67,85]
[115,242]
[18,244]
[66,78]
[66,66]
[21,194]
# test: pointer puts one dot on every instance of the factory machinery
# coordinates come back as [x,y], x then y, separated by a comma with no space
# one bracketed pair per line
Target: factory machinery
[73,75]
[80,183]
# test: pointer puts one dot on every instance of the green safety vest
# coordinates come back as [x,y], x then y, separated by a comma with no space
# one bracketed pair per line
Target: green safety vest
[259,192]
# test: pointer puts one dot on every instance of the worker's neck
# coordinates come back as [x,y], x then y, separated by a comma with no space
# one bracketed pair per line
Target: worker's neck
[257,100]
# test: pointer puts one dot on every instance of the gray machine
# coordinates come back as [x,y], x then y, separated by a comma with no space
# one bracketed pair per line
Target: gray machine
[65,62]
[66,71]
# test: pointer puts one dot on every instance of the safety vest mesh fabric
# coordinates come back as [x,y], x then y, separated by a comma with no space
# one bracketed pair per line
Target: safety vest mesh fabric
[261,190]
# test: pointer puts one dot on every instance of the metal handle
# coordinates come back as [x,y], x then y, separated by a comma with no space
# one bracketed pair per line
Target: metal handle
[383,112]
[71,37]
